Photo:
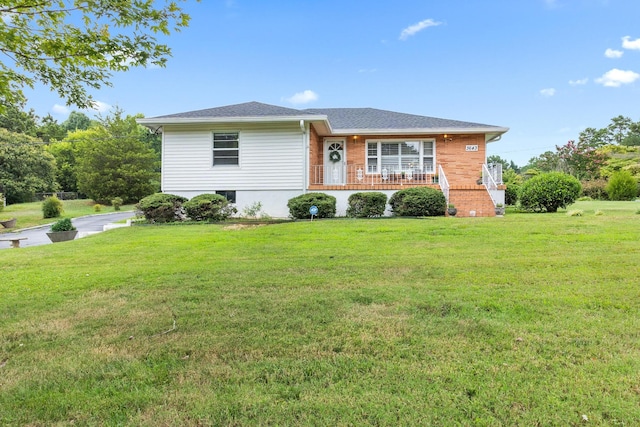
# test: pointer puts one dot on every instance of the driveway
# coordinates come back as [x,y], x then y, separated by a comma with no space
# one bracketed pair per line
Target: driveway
[37,236]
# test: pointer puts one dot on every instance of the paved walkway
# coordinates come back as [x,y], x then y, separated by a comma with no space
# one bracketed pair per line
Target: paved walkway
[86,225]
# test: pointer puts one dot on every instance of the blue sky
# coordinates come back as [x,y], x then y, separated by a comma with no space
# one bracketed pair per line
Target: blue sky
[546,69]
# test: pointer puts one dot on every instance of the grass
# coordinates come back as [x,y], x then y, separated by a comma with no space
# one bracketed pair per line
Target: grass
[30,214]
[530,319]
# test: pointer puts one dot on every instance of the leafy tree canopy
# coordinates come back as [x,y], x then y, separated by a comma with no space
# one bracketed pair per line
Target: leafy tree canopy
[14,119]
[77,121]
[25,167]
[73,46]
[113,160]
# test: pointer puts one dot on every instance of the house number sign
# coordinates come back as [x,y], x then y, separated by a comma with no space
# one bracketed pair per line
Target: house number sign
[471,148]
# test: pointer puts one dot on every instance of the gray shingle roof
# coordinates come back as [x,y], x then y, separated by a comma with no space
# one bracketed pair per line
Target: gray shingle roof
[341,119]
[247,109]
[371,118]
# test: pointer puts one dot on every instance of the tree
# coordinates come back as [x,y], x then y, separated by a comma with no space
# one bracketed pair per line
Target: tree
[25,167]
[114,161]
[581,161]
[73,46]
[64,153]
[50,130]
[595,138]
[14,119]
[631,140]
[545,162]
[619,129]
[76,121]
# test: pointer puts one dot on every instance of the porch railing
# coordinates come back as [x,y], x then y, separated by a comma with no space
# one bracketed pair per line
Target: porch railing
[444,183]
[342,174]
[491,177]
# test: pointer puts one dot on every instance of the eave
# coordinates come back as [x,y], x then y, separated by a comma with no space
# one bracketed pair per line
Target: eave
[491,133]
[321,122]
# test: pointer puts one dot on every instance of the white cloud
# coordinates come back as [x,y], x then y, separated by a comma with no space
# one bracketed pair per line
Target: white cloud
[547,93]
[627,43]
[552,4]
[616,78]
[303,97]
[60,109]
[100,107]
[612,53]
[367,70]
[579,82]
[415,28]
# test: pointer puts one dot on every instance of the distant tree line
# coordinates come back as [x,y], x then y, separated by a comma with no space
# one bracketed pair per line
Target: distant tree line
[606,162]
[104,158]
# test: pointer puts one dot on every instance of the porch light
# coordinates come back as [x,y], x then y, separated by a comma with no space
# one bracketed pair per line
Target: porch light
[447,138]
[355,138]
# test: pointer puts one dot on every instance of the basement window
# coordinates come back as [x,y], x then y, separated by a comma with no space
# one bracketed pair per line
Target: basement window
[230,195]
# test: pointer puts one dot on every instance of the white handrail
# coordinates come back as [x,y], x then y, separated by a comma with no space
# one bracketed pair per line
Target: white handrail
[444,183]
[497,196]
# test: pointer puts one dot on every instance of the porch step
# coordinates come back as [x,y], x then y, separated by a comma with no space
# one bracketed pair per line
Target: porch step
[471,200]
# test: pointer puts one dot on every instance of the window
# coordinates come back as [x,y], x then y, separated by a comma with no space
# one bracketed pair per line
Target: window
[225,149]
[397,156]
[230,195]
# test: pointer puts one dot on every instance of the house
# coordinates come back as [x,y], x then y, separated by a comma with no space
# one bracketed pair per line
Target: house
[254,152]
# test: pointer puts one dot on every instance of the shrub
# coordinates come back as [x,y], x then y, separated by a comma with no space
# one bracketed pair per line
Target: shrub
[299,206]
[511,194]
[596,189]
[116,202]
[97,207]
[52,207]
[365,205]
[63,225]
[622,186]
[549,191]
[418,201]
[161,207]
[209,207]
[1,202]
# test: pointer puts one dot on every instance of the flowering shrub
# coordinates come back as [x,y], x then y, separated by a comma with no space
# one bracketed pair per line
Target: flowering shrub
[581,160]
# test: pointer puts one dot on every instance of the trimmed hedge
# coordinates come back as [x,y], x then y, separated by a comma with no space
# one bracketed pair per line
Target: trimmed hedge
[161,207]
[366,205]
[299,206]
[209,207]
[549,191]
[418,201]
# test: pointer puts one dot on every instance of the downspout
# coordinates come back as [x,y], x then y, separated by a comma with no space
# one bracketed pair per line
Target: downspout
[305,162]
[162,160]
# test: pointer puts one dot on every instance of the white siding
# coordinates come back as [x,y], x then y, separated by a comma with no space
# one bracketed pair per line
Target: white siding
[271,158]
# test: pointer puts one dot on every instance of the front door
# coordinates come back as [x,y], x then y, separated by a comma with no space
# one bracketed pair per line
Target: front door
[334,162]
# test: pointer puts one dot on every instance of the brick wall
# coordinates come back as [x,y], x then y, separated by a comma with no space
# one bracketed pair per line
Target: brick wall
[468,198]
[461,167]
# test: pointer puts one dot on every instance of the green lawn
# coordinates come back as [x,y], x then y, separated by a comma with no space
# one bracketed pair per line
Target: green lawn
[30,214]
[530,319]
